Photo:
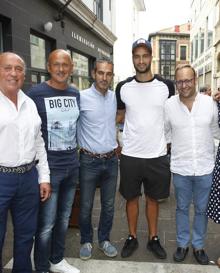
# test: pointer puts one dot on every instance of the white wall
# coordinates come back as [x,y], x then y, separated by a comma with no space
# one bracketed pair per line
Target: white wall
[89,4]
[127,29]
[201,10]
[107,17]
[124,20]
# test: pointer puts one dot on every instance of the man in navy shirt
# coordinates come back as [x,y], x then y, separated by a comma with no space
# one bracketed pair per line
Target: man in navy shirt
[58,107]
[98,161]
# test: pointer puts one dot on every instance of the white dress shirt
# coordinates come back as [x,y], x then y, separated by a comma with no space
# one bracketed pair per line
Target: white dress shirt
[191,134]
[20,135]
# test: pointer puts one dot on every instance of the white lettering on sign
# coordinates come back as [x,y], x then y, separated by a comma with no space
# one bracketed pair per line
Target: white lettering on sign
[83,40]
[88,43]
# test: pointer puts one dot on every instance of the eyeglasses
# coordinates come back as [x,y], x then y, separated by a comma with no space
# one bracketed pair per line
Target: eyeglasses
[186,82]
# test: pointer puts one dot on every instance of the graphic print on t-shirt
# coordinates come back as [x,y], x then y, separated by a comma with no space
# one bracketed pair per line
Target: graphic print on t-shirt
[62,114]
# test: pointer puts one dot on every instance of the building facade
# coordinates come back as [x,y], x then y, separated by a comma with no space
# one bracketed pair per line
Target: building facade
[216,61]
[126,27]
[204,42]
[171,47]
[70,25]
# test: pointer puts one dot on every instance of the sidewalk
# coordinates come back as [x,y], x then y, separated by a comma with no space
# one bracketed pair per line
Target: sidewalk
[142,260]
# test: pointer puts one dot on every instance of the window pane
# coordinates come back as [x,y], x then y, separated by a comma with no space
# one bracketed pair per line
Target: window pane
[33,79]
[38,52]
[210,30]
[182,53]
[98,8]
[202,41]
[80,77]
[81,65]
[42,78]
[192,52]
[167,58]
[196,46]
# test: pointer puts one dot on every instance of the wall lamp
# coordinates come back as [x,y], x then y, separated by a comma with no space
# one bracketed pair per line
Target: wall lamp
[59,18]
[48,26]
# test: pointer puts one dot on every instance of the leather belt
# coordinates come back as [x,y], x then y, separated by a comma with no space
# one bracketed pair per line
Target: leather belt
[106,155]
[20,169]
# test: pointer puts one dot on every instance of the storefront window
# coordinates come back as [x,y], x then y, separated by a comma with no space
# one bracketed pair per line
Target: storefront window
[38,52]
[80,77]
[40,49]
[81,64]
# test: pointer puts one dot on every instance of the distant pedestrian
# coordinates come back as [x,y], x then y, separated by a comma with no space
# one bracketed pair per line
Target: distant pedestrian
[98,160]
[191,125]
[206,90]
[58,106]
[143,160]
[22,146]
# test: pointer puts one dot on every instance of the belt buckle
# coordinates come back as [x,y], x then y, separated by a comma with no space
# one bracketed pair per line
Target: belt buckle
[102,156]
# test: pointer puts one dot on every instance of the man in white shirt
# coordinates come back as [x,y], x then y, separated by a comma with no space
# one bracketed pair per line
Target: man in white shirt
[143,161]
[21,147]
[191,122]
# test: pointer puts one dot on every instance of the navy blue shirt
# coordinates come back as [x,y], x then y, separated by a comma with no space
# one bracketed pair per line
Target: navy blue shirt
[59,111]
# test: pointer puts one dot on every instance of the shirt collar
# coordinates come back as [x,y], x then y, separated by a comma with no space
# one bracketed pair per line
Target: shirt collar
[198,96]
[21,97]
[97,92]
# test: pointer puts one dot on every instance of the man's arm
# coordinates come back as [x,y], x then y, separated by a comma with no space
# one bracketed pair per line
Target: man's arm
[120,117]
[43,169]
[215,122]
[167,125]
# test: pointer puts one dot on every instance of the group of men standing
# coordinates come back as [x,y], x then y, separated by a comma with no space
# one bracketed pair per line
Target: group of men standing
[86,121]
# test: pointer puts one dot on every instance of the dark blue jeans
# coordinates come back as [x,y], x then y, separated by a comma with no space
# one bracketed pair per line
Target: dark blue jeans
[19,193]
[103,172]
[54,218]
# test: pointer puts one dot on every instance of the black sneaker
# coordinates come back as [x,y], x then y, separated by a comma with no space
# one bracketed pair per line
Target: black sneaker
[201,256]
[156,248]
[131,244]
[180,254]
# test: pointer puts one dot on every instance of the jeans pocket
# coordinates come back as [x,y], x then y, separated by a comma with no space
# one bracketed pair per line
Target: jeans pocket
[86,159]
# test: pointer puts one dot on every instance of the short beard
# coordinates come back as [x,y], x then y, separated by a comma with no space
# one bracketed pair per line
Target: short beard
[147,69]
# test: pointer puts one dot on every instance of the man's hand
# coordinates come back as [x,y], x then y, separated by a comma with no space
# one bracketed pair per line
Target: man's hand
[45,191]
[216,96]
[118,151]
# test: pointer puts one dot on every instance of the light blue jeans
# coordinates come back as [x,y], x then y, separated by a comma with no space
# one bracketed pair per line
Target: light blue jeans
[54,219]
[190,189]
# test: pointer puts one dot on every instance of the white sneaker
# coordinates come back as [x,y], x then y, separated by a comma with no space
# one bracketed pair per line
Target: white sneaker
[63,267]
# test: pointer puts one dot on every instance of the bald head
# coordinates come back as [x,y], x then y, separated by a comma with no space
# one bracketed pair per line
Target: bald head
[12,73]
[7,55]
[59,52]
[60,67]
